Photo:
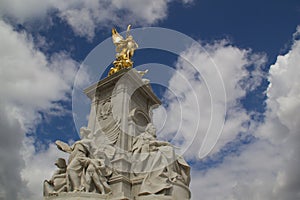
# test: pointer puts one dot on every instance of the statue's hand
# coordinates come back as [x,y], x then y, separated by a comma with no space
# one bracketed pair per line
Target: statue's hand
[63,146]
[160,143]
[154,148]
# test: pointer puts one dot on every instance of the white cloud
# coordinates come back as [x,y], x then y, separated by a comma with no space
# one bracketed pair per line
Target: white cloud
[24,11]
[199,96]
[11,184]
[282,120]
[30,83]
[85,17]
[29,80]
[247,176]
[268,168]
[39,166]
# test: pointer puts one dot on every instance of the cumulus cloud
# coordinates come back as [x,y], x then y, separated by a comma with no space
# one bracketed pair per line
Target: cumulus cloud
[85,17]
[269,167]
[39,166]
[206,90]
[30,83]
[29,80]
[248,176]
[11,183]
[282,120]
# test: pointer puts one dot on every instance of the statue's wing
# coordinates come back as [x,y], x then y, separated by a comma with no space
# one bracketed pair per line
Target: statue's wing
[128,30]
[63,146]
[116,37]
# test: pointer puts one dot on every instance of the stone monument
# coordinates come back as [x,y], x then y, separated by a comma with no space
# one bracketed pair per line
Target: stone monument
[118,155]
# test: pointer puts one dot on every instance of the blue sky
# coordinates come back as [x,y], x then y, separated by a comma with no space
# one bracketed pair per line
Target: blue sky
[239,80]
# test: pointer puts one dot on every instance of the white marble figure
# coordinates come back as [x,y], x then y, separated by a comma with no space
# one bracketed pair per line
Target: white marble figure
[58,181]
[97,173]
[86,170]
[158,161]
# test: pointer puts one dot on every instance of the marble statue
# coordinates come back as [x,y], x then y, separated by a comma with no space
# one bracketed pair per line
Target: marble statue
[58,181]
[159,161]
[78,161]
[87,169]
[96,175]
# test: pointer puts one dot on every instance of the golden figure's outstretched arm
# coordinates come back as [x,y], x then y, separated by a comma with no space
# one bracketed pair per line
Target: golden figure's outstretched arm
[128,30]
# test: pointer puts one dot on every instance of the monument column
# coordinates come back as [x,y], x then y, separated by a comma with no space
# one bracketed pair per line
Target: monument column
[120,108]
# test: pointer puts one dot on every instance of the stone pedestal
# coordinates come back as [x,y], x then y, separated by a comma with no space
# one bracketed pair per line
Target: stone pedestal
[121,107]
[77,196]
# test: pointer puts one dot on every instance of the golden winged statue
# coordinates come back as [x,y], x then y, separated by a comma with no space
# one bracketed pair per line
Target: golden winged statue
[124,50]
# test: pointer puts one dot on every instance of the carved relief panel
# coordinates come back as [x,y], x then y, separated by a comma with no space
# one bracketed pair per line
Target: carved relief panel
[108,125]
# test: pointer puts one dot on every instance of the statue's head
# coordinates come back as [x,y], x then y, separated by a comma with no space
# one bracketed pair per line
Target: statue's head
[150,128]
[61,163]
[84,132]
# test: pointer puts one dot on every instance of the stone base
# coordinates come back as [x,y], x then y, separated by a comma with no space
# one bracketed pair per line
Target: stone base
[77,196]
[180,191]
[154,197]
[121,187]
